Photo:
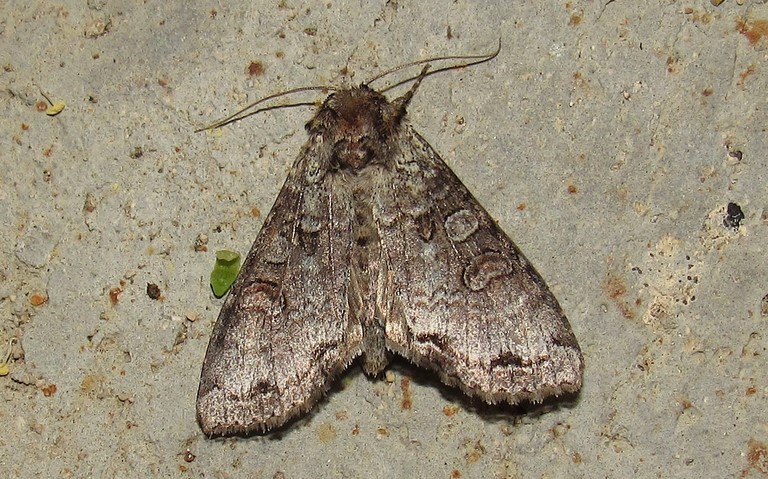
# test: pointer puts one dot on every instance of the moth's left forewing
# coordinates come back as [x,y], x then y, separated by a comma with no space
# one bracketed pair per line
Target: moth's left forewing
[283,333]
[458,296]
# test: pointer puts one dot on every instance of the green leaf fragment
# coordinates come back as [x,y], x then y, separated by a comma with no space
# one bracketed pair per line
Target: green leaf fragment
[224,271]
[228,256]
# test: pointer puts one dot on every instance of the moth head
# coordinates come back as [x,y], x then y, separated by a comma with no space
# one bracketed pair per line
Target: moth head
[358,124]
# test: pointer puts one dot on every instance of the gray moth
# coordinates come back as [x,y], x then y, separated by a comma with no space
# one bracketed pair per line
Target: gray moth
[373,247]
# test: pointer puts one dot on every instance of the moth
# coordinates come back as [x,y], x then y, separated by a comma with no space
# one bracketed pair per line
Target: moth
[373,247]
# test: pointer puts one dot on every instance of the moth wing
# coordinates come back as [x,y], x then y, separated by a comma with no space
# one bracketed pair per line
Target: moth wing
[458,296]
[284,331]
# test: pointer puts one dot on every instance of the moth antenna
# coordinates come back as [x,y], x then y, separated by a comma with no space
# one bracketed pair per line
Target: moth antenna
[402,102]
[244,113]
[478,60]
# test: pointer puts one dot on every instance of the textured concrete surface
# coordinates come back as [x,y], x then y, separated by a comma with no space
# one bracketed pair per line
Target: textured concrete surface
[607,138]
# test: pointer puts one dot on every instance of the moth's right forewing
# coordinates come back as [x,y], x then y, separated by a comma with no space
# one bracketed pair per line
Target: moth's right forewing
[460,298]
[284,331]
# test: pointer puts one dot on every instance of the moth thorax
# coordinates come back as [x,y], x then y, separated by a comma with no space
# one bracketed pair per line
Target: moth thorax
[353,154]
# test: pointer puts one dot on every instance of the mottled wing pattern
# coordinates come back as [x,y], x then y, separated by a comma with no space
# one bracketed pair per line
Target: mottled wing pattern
[284,331]
[459,297]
